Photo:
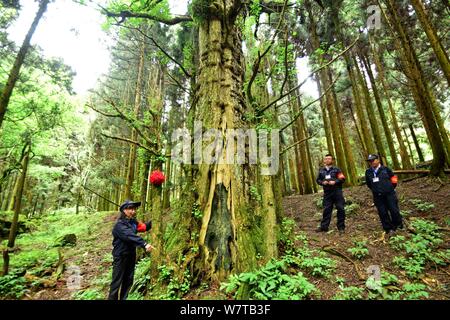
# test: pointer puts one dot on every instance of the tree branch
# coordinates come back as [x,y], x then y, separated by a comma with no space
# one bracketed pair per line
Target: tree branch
[312,102]
[261,56]
[124,14]
[162,50]
[130,141]
[296,143]
[311,74]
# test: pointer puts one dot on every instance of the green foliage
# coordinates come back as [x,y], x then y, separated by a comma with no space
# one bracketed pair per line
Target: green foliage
[352,208]
[397,242]
[270,282]
[349,293]
[200,10]
[88,294]
[37,252]
[420,248]
[415,291]
[286,234]
[360,250]
[319,265]
[421,205]
[141,278]
[319,203]
[255,8]
[176,287]
[196,212]
[12,286]
[254,194]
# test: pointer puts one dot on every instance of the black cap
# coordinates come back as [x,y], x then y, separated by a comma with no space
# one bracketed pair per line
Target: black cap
[128,204]
[372,157]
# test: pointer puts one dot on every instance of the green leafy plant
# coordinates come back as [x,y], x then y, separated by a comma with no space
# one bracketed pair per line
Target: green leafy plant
[397,242]
[349,293]
[319,203]
[12,286]
[89,294]
[360,250]
[319,265]
[271,282]
[422,205]
[415,291]
[196,212]
[254,194]
[420,248]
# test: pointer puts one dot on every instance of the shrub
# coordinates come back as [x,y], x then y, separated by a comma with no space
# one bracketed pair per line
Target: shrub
[359,251]
[271,282]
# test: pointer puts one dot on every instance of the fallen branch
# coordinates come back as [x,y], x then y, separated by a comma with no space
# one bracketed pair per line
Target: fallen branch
[336,252]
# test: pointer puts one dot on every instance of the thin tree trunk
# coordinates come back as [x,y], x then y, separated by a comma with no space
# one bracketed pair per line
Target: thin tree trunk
[137,106]
[348,152]
[17,209]
[372,118]
[383,118]
[416,143]
[14,73]
[425,100]
[432,37]
[409,148]
[381,75]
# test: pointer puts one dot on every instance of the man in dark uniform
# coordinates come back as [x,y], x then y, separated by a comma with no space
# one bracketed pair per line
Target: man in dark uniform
[331,178]
[125,241]
[382,181]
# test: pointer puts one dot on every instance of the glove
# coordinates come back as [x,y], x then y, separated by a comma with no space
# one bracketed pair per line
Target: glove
[148,225]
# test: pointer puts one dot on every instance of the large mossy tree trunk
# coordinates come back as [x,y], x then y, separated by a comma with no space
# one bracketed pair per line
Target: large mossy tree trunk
[231,233]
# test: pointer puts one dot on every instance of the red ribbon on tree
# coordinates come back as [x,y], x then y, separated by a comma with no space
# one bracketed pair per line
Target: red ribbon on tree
[157,178]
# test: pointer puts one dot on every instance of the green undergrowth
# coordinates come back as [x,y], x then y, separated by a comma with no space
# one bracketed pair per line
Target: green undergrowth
[36,252]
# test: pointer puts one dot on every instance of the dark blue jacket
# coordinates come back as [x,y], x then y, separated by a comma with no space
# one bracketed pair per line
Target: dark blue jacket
[125,239]
[334,174]
[387,180]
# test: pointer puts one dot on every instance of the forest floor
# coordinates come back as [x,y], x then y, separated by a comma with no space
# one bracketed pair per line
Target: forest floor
[420,199]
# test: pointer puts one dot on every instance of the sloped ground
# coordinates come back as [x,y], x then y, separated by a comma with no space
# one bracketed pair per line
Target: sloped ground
[36,265]
[90,260]
[419,199]
[364,223]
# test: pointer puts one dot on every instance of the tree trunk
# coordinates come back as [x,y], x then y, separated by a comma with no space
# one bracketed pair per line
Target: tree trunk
[381,75]
[228,240]
[435,42]
[425,100]
[137,106]
[326,121]
[387,131]
[17,209]
[371,115]
[14,73]
[416,143]
[348,152]
[409,148]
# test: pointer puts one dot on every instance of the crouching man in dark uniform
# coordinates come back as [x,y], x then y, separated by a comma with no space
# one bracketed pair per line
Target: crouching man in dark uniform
[331,178]
[382,181]
[125,241]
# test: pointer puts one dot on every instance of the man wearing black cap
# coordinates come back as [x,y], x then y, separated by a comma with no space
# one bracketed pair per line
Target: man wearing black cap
[382,181]
[125,241]
[331,178]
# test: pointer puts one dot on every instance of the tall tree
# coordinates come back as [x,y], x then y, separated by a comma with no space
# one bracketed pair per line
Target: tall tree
[15,70]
